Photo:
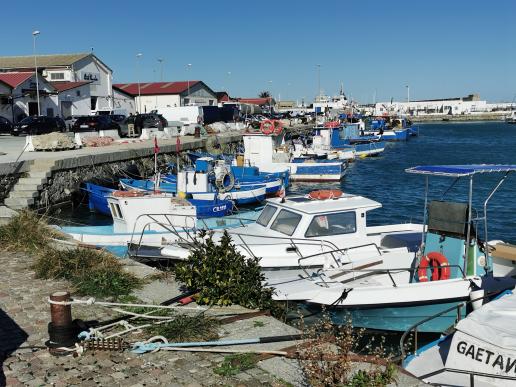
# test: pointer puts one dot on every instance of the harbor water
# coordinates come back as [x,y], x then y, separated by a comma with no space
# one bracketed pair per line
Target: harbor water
[384,179]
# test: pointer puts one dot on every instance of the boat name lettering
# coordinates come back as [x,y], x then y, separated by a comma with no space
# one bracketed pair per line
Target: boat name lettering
[483,355]
[219,208]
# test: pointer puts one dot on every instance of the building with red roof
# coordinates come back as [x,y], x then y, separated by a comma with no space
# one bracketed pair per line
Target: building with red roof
[18,95]
[155,95]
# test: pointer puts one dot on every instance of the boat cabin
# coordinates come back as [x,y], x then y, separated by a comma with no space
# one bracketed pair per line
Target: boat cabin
[300,217]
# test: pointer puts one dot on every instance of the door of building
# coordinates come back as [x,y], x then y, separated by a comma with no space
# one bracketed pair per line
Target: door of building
[33,108]
[66,109]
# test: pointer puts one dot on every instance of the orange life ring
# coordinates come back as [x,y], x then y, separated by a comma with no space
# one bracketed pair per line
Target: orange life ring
[267,127]
[440,267]
[127,194]
[324,194]
[271,127]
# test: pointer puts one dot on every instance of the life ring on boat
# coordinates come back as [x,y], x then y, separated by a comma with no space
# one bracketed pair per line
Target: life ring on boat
[439,265]
[332,124]
[127,194]
[267,127]
[324,194]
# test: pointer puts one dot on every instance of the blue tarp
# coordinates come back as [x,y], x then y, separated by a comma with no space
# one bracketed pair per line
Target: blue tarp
[460,170]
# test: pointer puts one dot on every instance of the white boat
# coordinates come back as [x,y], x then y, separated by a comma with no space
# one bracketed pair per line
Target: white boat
[511,118]
[300,232]
[481,351]
[397,291]
[271,154]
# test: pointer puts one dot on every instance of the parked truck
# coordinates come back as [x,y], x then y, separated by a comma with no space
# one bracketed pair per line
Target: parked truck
[188,115]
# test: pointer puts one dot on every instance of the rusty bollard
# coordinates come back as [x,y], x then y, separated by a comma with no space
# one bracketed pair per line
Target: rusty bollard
[62,331]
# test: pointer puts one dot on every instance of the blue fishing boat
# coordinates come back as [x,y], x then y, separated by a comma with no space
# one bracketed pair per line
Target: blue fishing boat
[393,128]
[213,208]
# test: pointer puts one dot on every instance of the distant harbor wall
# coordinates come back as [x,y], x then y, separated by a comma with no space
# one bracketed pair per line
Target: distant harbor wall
[496,116]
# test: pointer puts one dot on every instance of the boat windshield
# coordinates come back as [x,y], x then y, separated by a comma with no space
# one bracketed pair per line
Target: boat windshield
[332,224]
[286,222]
[266,215]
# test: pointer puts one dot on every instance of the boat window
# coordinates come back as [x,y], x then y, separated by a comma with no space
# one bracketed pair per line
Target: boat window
[332,224]
[286,222]
[115,210]
[266,215]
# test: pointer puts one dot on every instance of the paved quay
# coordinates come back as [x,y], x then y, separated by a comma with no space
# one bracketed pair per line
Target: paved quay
[24,315]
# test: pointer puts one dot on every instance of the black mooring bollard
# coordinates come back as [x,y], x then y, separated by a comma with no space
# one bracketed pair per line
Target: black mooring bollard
[62,331]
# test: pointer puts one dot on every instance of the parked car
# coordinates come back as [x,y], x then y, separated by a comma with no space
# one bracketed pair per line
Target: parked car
[143,121]
[39,125]
[5,126]
[94,123]
[118,118]
[70,120]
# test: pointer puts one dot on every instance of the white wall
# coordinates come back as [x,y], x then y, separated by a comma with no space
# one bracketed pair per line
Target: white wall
[88,69]
[80,104]
[156,102]
[124,102]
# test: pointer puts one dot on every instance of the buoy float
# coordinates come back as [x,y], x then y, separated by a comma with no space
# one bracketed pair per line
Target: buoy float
[271,127]
[324,194]
[440,267]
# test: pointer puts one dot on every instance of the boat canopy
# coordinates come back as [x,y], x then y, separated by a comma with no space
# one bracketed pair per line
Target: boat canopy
[460,170]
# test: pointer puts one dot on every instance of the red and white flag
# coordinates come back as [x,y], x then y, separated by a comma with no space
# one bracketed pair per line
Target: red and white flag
[178,144]
[156,147]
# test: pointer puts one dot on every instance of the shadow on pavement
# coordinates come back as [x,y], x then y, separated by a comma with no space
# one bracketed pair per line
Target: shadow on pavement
[11,337]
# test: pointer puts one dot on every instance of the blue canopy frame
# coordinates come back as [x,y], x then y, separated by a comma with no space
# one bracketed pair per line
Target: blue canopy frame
[459,171]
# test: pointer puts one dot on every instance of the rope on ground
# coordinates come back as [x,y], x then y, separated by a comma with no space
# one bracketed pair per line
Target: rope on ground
[92,301]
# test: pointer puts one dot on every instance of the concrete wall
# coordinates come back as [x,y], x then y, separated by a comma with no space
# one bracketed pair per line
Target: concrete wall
[155,102]
[80,104]
[123,102]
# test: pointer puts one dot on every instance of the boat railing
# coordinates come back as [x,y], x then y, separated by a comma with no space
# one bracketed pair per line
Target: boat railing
[387,271]
[458,308]
[471,374]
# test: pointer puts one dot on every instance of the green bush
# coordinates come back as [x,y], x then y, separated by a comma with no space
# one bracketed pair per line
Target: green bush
[222,275]
[187,328]
[92,272]
[25,232]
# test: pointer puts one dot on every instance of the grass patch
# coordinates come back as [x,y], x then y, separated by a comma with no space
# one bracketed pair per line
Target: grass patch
[187,328]
[234,364]
[92,272]
[258,324]
[26,232]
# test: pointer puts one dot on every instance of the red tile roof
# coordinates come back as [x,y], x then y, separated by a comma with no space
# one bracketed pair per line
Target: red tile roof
[14,79]
[154,88]
[65,85]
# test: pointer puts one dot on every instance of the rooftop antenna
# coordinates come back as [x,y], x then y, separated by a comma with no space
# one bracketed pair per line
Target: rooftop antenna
[92,49]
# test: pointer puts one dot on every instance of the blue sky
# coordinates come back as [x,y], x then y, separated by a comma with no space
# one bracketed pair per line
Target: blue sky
[439,48]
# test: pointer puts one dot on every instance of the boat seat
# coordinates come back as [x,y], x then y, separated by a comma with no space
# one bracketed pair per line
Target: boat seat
[504,251]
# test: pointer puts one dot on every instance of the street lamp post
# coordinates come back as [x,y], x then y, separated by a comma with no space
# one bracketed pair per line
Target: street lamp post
[408,93]
[270,97]
[319,79]
[160,60]
[138,56]
[34,34]
[188,66]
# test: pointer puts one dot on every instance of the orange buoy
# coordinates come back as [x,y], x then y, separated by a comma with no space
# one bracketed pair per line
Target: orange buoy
[324,194]
[267,127]
[440,267]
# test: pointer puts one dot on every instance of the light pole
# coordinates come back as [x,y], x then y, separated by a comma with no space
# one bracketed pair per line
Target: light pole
[408,93]
[270,97]
[319,79]
[34,34]
[160,60]
[229,81]
[188,67]
[138,56]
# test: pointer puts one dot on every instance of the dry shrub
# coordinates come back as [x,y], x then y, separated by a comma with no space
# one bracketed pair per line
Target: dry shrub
[26,232]
[330,358]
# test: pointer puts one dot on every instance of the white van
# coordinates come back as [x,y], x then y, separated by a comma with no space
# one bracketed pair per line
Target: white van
[188,115]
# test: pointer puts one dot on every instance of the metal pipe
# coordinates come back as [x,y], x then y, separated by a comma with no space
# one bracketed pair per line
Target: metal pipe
[486,250]
[468,235]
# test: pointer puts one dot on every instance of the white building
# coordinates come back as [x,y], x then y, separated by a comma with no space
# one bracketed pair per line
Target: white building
[446,106]
[156,95]
[82,67]
[18,96]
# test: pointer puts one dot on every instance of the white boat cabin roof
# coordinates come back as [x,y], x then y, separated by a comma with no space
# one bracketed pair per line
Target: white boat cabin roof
[314,206]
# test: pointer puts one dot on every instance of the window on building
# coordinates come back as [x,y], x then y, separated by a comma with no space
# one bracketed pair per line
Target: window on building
[78,93]
[211,102]
[186,101]
[93,103]
[57,76]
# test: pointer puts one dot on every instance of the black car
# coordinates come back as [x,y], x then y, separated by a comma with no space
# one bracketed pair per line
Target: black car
[118,118]
[5,125]
[39,125]
[94,123]
[141,121]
